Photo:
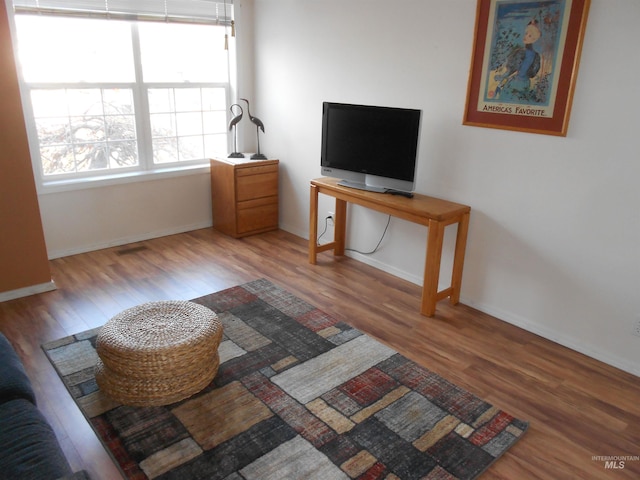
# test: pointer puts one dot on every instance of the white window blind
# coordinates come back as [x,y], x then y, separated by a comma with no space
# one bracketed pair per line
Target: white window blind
[181,11]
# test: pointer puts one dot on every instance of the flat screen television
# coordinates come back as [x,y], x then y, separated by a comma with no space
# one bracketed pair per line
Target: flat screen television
[370,147]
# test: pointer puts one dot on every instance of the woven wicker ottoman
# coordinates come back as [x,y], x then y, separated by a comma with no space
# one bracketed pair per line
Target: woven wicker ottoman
[158,353]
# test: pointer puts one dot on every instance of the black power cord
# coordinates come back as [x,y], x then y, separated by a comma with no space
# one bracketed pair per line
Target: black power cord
[326,224]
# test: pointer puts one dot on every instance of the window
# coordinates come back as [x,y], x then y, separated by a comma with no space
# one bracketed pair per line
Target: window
[116,97]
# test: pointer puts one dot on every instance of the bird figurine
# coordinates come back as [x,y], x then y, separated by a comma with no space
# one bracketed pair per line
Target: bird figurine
[259,126]
[233,124]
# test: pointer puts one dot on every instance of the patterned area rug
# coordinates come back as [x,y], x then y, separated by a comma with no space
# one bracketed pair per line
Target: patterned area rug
[299,395]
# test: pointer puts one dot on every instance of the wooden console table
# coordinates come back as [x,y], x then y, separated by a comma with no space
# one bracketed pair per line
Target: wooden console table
[432,212]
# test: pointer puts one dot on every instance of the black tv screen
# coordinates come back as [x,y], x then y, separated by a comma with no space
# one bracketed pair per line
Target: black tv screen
[372,145]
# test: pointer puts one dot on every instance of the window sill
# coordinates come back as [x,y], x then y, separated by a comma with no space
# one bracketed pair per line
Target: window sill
[57,186]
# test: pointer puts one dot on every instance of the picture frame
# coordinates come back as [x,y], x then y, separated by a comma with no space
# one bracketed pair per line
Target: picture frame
[524,64]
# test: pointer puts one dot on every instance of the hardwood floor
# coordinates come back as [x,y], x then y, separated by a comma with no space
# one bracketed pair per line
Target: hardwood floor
[577,407]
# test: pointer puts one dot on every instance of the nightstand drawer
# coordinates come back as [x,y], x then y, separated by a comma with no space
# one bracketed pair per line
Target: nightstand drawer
[256,170]
[258,215]
[249,187]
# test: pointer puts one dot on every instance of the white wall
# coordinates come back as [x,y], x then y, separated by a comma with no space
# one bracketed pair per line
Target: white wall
[555,232]
[93,218]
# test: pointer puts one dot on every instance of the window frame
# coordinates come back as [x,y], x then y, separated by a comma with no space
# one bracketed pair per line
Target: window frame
[146,168]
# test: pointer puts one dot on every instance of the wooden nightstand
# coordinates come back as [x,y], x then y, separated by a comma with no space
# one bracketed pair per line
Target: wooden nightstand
[244,195]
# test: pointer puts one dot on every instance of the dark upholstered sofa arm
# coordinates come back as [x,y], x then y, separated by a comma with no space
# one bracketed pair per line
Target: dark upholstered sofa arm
[14,382]
[29,449]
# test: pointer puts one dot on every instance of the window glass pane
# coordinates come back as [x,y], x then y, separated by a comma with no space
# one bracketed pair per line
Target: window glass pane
[163,125]
[49,103]
[123,154]
[85,102]
[190,148]
[214,99]
[121,127]
[87,128]
[187,114]
[165,150]
[60,49]
[188,100]
[214,144]
[183,53]
[53,130]
[57,159]
[214,122]
[90,156]
[118,100]
[189,123]
[161,100]
[77,131]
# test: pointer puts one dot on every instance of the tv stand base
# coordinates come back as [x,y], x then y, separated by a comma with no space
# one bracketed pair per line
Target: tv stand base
[361,186]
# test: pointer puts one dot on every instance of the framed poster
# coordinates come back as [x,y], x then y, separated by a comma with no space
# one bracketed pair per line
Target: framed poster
[524,64]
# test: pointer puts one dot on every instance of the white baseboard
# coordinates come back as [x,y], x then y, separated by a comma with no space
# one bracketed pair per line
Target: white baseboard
[525,324]
[387,268]
[26,291]
[294,230]
[554,336]
[116,242]
[363,258]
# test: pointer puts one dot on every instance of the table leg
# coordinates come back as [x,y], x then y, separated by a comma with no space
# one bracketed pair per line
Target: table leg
[458,258]
[313,224]
[340,228]
[432,268]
